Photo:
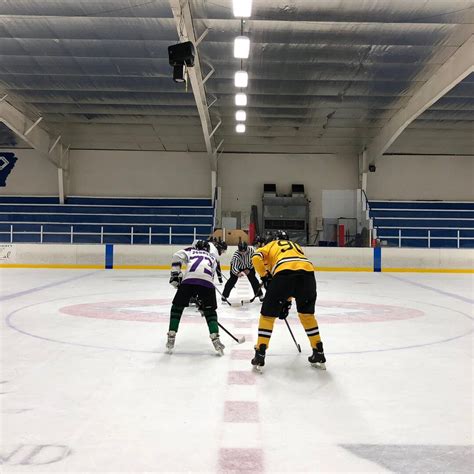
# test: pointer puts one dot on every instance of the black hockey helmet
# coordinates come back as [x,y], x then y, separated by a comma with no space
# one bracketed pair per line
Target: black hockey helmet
[259,241]
[269,237]
[202,245]
[221,246]
[243,246]
[281,235]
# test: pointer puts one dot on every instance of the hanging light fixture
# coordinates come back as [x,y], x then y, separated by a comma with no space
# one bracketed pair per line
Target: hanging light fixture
[241,79]
[241,116]
[242,8]
[241,47]
[240,128]
[241,99]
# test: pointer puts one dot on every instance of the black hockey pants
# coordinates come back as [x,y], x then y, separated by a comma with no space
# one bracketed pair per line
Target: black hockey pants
[233,280]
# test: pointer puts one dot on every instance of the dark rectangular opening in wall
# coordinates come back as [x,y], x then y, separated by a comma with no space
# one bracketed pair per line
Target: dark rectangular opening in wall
[284,224]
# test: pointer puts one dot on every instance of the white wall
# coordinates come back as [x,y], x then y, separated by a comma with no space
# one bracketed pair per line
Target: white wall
[32,175]
[242,176]
[113,173]
[423,177]
[139,174]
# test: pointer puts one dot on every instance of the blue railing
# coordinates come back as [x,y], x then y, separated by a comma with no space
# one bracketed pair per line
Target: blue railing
[83,234]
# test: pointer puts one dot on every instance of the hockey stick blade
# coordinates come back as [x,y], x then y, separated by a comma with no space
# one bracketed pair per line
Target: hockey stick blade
[239,340]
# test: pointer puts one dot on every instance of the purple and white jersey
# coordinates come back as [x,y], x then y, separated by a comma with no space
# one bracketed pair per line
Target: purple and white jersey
[214,251]
[200,266]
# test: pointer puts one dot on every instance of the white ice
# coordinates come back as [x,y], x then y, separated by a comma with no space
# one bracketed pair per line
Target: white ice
[86,385]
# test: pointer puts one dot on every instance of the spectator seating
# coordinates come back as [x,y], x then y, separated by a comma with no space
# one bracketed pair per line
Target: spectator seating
[434,224]
[105,220]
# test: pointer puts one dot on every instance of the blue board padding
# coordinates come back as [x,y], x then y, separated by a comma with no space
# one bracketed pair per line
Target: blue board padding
[109,256]
[377,259]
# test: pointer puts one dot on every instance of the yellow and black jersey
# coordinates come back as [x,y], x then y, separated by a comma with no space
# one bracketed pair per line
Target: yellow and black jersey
[280,255]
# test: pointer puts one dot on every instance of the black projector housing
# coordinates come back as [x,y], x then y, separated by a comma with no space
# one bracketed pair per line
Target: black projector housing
[181,53]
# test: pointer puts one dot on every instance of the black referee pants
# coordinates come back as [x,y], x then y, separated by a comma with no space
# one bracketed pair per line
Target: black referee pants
[233,280]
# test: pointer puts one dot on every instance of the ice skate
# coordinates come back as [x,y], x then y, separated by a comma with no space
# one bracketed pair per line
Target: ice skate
[170,342]
[218,346]
[259,360]
[317,359]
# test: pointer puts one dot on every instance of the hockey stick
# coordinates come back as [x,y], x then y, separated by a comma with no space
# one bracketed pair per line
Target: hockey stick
[239,340]
[228,302]
[254,296]
[294,340]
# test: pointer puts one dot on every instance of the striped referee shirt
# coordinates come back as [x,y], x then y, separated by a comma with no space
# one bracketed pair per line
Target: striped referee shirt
[242,261]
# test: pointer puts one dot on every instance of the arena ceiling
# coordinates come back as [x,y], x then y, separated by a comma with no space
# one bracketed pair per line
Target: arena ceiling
[324,75]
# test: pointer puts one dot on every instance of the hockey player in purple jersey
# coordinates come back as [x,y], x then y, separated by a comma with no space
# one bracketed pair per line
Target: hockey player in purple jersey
[196,282]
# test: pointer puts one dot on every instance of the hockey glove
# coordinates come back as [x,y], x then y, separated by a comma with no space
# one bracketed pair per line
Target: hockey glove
[176,278]
[285,309]
[266,279]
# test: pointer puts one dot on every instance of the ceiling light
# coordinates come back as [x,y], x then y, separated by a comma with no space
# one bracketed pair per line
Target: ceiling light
[241,116]
[241,47]
[241,79]
[241,99]
[242,8]
[240,128]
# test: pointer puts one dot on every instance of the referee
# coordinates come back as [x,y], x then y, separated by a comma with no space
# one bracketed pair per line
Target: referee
[242,263]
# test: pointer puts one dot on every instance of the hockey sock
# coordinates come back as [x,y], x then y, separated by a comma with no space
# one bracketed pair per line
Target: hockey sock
[311,327]
[211,319]
[265,328]
[175,317]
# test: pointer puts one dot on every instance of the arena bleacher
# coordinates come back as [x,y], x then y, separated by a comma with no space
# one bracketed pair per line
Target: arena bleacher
[433,224]
[90,220]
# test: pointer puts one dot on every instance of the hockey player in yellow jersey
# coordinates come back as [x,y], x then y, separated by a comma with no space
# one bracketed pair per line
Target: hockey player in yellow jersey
[286,273]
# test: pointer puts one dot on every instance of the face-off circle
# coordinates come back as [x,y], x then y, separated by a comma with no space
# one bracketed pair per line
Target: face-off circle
[125,310]
[157,310]
[336,312]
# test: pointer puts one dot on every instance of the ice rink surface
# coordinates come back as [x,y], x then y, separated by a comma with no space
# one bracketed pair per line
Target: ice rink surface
[86,385]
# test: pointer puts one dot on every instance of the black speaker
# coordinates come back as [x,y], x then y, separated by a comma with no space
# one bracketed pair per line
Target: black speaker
[297,189]
[372,168]
[269,188]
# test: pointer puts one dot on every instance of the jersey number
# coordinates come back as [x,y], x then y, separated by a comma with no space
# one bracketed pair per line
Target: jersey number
[287,245]
[199,259]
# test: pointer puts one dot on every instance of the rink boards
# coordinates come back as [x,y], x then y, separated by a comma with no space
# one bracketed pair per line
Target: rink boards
[159,257]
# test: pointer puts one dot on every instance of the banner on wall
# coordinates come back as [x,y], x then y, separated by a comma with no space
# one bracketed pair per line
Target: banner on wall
[7,253]
[7,163]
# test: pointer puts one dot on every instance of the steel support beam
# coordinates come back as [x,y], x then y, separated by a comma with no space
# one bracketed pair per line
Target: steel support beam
[33,126]
[184,24]
[453,71]
[30,132]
